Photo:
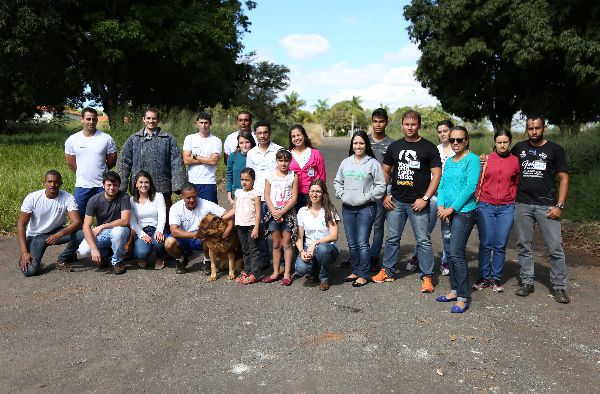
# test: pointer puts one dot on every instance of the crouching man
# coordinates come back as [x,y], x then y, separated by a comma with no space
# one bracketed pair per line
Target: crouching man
[111,209]
[42,223]
[184,220]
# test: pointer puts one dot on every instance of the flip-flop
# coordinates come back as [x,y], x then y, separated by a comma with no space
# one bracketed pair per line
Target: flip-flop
[358,284]
[350,279]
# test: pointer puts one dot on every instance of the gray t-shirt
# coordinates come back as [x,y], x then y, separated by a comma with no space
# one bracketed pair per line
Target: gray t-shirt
[379,148]
[107,211]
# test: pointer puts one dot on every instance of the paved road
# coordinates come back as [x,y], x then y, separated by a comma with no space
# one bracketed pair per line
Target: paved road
[157,331]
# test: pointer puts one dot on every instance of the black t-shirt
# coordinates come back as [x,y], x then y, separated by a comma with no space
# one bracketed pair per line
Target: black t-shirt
[539,166]
[107,211]
[411,164]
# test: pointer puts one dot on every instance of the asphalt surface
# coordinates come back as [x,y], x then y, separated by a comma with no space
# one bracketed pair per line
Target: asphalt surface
[92,331]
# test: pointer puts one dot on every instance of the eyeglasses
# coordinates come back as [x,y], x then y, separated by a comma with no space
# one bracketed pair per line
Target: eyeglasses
[457,140]
[315,192]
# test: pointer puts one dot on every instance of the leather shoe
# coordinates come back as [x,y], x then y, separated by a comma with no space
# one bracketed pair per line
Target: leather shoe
[524,290]
[324,286]
[561,297]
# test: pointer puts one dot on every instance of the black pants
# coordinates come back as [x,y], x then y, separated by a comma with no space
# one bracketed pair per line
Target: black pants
[250,250]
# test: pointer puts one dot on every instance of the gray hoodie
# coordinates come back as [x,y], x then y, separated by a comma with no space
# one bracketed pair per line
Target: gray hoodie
[359,183]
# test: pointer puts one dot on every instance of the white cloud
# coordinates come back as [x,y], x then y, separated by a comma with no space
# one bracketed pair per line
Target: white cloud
[374,83]
[305,46]
[409,53]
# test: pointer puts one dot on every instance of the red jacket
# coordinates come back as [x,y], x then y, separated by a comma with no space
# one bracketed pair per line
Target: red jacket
[500,179]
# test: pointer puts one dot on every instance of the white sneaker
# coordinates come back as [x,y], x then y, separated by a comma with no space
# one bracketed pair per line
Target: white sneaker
[445,269]
[413,264]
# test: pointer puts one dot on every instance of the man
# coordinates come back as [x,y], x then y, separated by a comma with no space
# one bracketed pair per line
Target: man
[380,142]
[262,160]
[244,122]
[201,153]
[112,210]
[153,150]
[90,153]
[42,223]
[184,220]
[415,168]
[541,162]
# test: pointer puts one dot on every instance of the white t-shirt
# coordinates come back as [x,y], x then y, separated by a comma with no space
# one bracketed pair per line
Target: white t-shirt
[302,158]
[231,142]
[314,227]
[190,220]
[202,174]
[281,188]
[47,214]
[150,213]
[90,156]
[262,163]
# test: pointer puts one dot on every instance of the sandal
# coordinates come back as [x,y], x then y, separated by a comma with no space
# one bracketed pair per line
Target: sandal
[240,278]
[286,282]
[247,280]
[159,264]
[270,279]
[350,278]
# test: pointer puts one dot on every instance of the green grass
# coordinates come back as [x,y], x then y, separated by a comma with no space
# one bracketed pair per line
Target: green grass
[35,148]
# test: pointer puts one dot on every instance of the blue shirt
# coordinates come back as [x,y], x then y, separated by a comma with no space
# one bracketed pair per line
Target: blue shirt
[459,182]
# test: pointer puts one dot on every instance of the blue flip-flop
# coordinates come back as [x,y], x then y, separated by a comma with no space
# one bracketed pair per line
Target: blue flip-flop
[444,299]
[458,309]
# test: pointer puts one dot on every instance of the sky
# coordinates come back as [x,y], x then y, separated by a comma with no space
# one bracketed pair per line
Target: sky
[337,49]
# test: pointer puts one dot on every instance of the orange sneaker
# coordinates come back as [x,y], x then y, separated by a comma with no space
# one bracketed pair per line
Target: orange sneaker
[427,285]
[382,276]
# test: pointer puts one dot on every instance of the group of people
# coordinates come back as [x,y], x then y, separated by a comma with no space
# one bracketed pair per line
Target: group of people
[281,192]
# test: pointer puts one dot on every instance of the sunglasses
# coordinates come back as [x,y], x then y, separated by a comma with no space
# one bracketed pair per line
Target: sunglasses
[457,140]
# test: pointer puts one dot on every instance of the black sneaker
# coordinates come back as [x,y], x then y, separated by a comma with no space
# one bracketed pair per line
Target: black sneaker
[181,265]
[525,290]
[497,287]
[560,296]
[206,267]
[482,284]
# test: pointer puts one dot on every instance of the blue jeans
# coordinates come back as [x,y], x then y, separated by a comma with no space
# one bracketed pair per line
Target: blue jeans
[82,195]
[461,226]
[378,229]
[526,216]
[419,221]
[432,221]
[111,238]
[37,247]
[494,223]
[141,249]
[358,222]
[320,264]
[207,192]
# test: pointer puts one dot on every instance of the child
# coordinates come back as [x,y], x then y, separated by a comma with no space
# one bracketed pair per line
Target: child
[281,193]
[247,222]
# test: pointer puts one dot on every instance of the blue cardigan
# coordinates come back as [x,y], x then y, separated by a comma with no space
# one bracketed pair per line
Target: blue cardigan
[235,164]
[458,184]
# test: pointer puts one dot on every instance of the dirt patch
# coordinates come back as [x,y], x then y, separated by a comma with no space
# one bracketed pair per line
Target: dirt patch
[583,238]
[328,337]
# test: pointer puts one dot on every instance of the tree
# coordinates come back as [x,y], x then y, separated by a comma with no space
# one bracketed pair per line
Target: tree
[495,57]
[289,110]
[259,85]
[321,108]
[340,115]
[133,53]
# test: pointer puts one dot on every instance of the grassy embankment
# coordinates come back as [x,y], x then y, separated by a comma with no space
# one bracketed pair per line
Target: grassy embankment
[26,156]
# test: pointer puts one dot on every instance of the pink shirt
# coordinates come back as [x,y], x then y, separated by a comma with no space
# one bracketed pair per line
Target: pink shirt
[313,169]
[245,207]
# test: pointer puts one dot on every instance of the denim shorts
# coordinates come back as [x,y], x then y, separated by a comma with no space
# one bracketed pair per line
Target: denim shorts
[189,244]
[272,225]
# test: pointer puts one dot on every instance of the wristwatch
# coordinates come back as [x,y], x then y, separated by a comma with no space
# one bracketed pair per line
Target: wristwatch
[560,206]
[426,198]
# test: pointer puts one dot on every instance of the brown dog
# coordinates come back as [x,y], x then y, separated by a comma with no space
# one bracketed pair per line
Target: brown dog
[210,233]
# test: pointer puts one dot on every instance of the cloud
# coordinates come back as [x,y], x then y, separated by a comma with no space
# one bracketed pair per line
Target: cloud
[409,53]
[374,83]
[305,46]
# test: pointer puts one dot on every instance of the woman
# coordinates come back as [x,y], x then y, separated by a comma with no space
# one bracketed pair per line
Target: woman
[307,162]
[496,192]
[443,130]
[236,163]
[317,232]
[359,183]
[148,217]
[457,207]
